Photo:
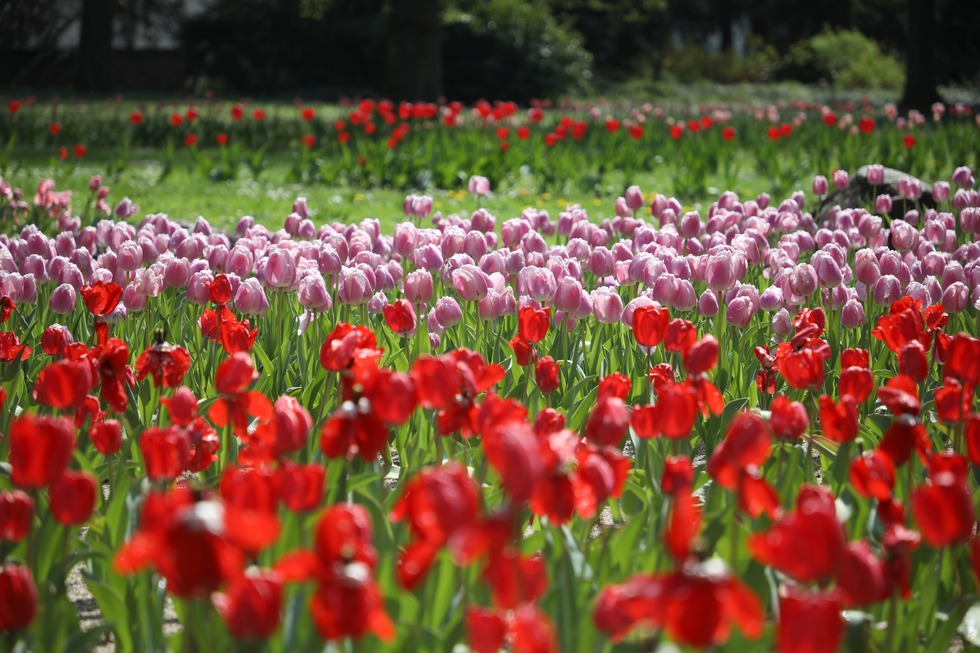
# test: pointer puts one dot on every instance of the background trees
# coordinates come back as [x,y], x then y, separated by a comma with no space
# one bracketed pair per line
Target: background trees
[423,49]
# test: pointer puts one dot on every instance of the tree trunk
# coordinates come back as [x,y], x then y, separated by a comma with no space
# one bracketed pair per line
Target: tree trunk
[413,69]
[95,46]
[920,75]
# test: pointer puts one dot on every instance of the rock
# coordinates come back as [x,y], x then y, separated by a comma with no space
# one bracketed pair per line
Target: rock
[861,194]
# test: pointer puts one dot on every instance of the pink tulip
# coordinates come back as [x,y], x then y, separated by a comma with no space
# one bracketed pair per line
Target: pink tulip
[478,185]
[448,312]
[840,179]
[883,204]
[956,297]
[62,299]
[963,177]
[470,283]
[708,303]
[782,323]
[887,290]
[740,312]
[279,269]
[903,235]
[852,315]
[354,287]
[313,293]
[820,186]
[803,280]
[634,198]
[607,305]
[876,174]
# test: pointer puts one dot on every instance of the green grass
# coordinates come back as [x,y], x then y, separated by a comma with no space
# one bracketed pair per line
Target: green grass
[185,194]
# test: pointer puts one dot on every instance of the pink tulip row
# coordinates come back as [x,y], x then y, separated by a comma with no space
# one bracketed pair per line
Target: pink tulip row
[743,257]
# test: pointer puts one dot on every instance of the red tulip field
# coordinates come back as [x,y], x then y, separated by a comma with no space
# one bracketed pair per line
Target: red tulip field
[746,425]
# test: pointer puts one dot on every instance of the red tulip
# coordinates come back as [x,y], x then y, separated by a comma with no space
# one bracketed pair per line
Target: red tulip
[251,605]
[807,543]
[18,598]
[944,509]
[72,498]
[681,334]
[963,360]
[487,630]
[862,577]
[903,324]
[219,290]
[101,298]
[839,421]
[400,317]
[55,339]
[600,475]
[900,395]
[954,403]
[683,525]
[106,436]
[344,534]
[512,450]
[166,363]
[661,375]
[546,374]
[746,446]
[756,497]
[166,452]
[702,356]
[252,489]
[788,419]
[677,406]
[440,503]
[196,545]
[344,344]
[809,622]
[855,358]
[873,475]
[616,384]
[973,439]
[514,579]
[678,475]
[524,353]
[645,421]
[11,348]
[40,448]
[64,384]
[301,486]
[7,307]
[350,605]
[16,515]
[856,383]
[238,404]
[182,406]
[608,422]
[533,323]
[913,361]
[696,606]
[802,369]
[650,325]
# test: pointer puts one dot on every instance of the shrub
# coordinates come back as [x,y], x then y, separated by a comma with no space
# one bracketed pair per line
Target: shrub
[514,50]
[845,59]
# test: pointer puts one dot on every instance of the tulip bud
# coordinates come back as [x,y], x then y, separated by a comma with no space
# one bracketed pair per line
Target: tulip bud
[62,299]
[820,185]
[840,179]
[634,198]
[963,177]
[448,312]
[708,303]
